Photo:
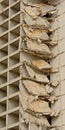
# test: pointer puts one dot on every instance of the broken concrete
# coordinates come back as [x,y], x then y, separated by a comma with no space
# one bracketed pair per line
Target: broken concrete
[35,76]
[34,88]
[38,92]
[40,65]
[34,47]
[28,118]
[34,106]
[35,33]
[33,12]
[37,22]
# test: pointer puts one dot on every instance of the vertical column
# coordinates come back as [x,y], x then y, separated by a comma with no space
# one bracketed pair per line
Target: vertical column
[4,37]
[59,62]
[13,65]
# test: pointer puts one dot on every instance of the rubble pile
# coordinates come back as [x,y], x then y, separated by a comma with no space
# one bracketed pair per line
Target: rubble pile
[37,93]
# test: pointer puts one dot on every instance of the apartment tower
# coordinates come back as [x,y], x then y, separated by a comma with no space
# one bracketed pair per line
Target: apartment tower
[32,65]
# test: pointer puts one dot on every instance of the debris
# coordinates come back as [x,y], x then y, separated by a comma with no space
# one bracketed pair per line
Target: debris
[54,70]
[52,99]
[37,94]
[49,89]
[53,43]
[34,107]
[35,53]
[55,113]
[33,12]
[36,76]
[47,9]
[34,45]
[35,88]
[33,3]
[28,118]
[36,23]
[35,33]
[38,90]
[41,65]
[54,83]
[35,48]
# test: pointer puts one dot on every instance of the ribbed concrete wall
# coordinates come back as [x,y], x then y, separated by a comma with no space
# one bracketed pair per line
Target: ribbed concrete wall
[59,62]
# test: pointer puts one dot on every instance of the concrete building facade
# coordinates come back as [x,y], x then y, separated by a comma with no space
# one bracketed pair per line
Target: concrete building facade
[12,70]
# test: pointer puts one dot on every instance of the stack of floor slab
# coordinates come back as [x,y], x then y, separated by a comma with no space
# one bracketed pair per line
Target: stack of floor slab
[36,95]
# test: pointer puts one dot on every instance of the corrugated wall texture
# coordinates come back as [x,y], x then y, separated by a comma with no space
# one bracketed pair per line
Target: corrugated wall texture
[59,62]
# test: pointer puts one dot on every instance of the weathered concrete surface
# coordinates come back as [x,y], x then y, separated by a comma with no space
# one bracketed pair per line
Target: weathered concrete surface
[59,62]
[32,64]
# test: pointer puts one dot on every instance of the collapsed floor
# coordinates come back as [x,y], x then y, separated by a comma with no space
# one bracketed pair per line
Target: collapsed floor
[37,41]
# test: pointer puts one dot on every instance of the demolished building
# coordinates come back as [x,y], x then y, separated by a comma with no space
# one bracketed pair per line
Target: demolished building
[31,65]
